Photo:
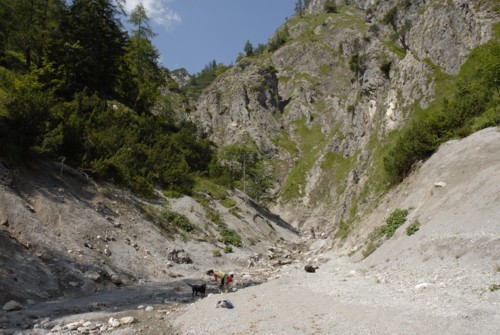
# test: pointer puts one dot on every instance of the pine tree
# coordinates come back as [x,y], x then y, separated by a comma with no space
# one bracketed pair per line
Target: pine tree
[143,60]
[299,8]
[89,50]
[248,49]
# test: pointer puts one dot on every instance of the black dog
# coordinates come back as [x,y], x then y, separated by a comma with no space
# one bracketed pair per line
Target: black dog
[310,268]
[198,288]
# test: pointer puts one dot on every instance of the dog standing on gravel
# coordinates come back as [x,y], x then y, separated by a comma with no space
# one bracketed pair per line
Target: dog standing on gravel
[310,268]
[198,289]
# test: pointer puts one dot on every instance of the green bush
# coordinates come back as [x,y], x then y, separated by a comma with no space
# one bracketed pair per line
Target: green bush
[370,248]
[330,6]
[413,228]
[228,249]
[394,221]
[216,253]
[386,231]
[229,236]
[178,220]
[343,229]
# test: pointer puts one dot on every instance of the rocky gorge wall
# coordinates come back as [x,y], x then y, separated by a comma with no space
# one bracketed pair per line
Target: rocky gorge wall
[320,106]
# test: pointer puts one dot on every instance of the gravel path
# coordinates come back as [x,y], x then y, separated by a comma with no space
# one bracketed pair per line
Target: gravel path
[346,298]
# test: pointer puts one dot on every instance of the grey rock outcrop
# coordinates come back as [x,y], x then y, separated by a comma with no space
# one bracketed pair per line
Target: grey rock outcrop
[180,76]
[319,104]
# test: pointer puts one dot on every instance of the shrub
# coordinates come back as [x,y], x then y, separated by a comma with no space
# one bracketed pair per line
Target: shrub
[228,249]
[330,6]
[394,221]
[229,236]
[216,253]
[343,229]
[413,228]
[178,220]
[370,248]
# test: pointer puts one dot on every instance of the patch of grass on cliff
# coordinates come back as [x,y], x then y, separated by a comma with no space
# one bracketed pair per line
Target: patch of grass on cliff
[348,16]
[343,230]
[394,221]
[309,137]
[338,167]
[299,76]
[444,82]
[286,143]
[400,52]
[325,69]
[310,141]
[215,190]
[378,181]
[283,79]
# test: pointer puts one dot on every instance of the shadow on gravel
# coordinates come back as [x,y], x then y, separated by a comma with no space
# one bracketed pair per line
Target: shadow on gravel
[108,302]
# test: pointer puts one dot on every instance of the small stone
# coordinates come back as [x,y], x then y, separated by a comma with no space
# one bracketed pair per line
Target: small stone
[73,326]
[56,329]
[114,322]
[422,286]
[128,320]
[12,306]
[149,309]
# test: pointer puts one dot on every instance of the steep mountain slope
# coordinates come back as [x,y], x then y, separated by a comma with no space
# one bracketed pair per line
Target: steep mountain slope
[323,105]
[76,237]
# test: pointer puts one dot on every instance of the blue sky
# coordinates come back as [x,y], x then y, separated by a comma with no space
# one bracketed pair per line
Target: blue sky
[191,33]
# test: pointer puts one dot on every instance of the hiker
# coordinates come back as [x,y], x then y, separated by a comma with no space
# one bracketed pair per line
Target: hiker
[222,276]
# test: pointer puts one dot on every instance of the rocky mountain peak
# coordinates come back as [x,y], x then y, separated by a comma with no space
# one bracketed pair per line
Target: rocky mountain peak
[180,76]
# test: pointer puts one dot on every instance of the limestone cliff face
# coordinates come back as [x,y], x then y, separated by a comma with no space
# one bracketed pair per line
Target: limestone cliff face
[244,100]
[321,105]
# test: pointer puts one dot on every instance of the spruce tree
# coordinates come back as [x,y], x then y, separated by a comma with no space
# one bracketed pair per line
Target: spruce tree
[143,60]
[248,49]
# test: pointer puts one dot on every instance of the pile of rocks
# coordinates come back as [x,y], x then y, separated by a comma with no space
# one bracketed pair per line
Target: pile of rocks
[89,327]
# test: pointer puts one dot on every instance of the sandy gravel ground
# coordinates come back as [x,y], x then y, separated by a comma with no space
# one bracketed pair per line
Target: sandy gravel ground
[444,279]
[345,298]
